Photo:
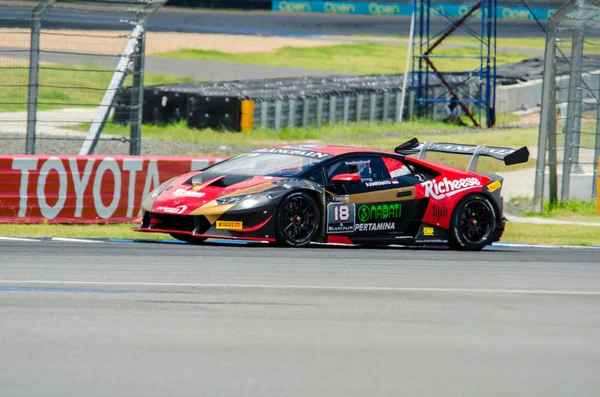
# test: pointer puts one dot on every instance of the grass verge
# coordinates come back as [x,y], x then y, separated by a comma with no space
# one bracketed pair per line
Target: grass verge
[376,136]
[529,43]
[574,210]
[364,58]
[528,233]
[111,230]
[64,86]
[515,233]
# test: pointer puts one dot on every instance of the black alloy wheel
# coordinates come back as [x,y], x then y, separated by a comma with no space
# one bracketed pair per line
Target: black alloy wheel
[473,223]
[297,220]
[187,238]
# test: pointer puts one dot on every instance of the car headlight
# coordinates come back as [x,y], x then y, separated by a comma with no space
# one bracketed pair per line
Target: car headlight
[160,189]
[233,200]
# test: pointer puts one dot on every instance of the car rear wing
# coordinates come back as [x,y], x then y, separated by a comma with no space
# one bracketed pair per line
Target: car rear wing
[510,156]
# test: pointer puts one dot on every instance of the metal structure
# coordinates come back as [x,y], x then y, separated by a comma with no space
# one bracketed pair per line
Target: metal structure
[56,62]
[569,135]
[475,95]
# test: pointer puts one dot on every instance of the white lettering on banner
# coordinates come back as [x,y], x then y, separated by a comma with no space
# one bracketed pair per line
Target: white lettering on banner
[152,180]
[80,183]
[53,163]
[132,166]
[24,165]
[446,188]
[108,164]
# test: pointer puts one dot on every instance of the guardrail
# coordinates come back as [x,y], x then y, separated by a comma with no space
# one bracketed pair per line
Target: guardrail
[403,9]
[84,189]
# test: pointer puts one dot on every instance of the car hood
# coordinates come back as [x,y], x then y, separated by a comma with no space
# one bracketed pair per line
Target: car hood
[192,191]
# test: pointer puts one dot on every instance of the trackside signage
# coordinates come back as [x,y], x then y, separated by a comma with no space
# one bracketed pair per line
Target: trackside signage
[84,189]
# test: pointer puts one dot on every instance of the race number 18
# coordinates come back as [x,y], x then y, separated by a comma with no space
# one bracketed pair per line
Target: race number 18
[341,213]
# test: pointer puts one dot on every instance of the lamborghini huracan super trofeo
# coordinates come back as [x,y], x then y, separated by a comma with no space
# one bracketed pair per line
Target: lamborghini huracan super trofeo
[297,194]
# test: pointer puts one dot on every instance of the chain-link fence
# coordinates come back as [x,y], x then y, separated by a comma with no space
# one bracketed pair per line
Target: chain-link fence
[569,144]
[61,65]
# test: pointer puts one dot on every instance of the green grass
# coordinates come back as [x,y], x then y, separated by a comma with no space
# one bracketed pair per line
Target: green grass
[364,58]
[574,210]
[516,233]
[533,43]
[59,88]
[551,234]
[119,230]
[376,136]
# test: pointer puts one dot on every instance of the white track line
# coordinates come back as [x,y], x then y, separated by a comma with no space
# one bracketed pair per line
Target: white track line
[17,239]
[310,287]
[75,240]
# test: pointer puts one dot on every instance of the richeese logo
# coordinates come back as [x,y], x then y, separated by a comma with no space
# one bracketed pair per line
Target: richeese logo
[446,188]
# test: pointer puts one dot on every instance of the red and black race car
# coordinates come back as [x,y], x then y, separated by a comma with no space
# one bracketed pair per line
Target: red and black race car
[297,194]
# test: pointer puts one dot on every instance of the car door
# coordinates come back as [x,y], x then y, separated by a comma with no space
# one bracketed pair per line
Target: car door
[376,205]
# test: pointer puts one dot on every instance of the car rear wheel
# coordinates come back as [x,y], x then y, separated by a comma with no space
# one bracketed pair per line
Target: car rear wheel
[473,223]
[297,220]
[187,238]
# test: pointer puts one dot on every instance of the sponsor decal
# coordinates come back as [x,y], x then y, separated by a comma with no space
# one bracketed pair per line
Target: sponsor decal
[378,183]
[494,186]
[341,218]
[294,152]
[379,212]
[447,188]
[196,187]
[428,231]
[435,241]
[172,210]
[439,211]
[341,199]
[187,193]
[230,225]
[375,227]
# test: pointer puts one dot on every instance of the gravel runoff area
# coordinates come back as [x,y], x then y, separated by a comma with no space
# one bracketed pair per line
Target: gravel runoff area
[101,42]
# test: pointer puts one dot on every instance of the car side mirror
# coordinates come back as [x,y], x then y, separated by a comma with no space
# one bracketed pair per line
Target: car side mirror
[346,179]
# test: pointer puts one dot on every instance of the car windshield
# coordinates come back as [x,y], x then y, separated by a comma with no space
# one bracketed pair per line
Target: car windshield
[265,164]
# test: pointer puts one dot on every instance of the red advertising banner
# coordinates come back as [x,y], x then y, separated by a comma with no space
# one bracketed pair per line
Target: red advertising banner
[84,189]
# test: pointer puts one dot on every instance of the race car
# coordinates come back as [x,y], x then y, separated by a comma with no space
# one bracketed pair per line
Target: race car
[293,195]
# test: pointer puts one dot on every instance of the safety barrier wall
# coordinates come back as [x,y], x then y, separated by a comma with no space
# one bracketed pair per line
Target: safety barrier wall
[84,189]
[403,9]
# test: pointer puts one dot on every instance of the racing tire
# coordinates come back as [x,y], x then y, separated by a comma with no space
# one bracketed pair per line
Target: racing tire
[298,218]
[187,238]
[473,223]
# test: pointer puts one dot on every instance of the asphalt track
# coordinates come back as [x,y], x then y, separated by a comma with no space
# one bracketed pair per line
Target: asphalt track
[116,319]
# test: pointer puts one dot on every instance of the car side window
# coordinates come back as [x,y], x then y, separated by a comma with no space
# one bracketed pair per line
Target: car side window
[396,167]
[369,168]
[317,177]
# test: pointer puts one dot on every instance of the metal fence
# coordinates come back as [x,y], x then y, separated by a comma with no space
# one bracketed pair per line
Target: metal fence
[569,137]
[61,64]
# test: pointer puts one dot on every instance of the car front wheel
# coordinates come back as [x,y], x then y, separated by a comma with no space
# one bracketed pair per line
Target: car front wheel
[297,220]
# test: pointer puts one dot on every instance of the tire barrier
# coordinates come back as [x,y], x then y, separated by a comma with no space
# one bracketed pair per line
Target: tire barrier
[84,189]
[300,101]
[278,103]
